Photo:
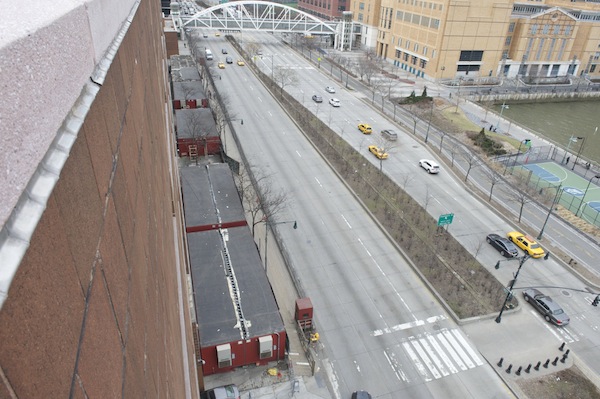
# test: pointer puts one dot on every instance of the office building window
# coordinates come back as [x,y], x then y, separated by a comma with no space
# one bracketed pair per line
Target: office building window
[534,29]
[546,29]
[556,30]
[507,41]
[425,50]
[551,49]
[538,54]
[568,30]
[416,47]
[423,64]
[561,49]
[414,60]
[473,55]
[511,27]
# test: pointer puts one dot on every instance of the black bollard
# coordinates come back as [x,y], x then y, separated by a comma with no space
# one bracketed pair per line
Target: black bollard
[528,369]
[562,346]
[564,358]
[546,363]
[519,370]
[500,362]
[242,121]
[537,366]
[509,368]
[555,361]
[567,352]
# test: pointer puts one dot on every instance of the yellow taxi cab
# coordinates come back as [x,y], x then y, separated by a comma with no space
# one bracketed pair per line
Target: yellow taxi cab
[241,63]
[217,34]
[221,65]
[366,129]
[526,243]
[378,152]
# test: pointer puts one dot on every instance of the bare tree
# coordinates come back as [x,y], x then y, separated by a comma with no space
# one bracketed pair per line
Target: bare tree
[520,197]
[471,160]
[443,135]
[385,147]
[261,199]
[493,177]
[478,246]
[415,118]
[194,125]
[285,77]
[454,150]
[428,197]
[405,179]
[252,49]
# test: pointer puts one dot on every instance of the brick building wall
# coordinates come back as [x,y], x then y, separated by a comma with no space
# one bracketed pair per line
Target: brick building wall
[95,307]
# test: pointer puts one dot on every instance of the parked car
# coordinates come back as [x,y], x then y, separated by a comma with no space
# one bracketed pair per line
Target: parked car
[389,134]
[217,34]
[503,245]
[330,89]
[527,244]
[334,101]
[224,51]
[361,395]
[551,311]
[221,65]
[429,165]
[378,152]
[241,63]
[365,128]
[225,392]
[229,60]
[259,52]
[317,98]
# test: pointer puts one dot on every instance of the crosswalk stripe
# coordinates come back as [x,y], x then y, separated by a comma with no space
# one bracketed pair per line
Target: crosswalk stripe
[426,359]
[434,358]
[442,354]
[420,368]
[467,347]
[458,349]
[451,351]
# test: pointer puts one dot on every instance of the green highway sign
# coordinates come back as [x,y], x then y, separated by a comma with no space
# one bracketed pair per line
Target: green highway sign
[445,219]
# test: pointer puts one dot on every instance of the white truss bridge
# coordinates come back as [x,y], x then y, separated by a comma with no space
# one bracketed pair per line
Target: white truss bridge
[258,16]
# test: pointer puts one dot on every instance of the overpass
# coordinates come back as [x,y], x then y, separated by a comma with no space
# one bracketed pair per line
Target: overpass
[262,16]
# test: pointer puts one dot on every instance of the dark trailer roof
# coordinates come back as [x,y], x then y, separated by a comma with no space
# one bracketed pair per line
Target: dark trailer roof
[218,320]
[208,191]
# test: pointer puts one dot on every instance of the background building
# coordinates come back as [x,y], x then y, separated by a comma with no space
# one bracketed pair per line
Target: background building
[446,39]
[92,260]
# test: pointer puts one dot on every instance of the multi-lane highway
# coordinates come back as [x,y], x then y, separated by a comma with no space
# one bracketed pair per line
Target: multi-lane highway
[381,328]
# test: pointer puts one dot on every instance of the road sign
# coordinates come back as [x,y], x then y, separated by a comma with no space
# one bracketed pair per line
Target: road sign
[445,219]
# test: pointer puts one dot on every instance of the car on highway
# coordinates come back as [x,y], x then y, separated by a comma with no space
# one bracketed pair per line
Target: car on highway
[502,245]
[389,135]
[526,243]
[330,89]
[229,60]
[223,51]
[217,34]
[430,166]
[378,152]
[365,128]
[316,98]
[551,311]
[361,395]
[334,101]
[221,65]
[241,63]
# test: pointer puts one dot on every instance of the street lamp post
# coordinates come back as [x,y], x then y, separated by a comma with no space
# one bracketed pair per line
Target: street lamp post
[572,139]
[554,201]
[501,111]
[512,284]
[267,224]
[578,152]
[428,124]
[584,194]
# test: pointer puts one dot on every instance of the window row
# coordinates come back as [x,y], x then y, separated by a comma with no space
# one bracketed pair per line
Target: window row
[556,29]
[418,19]
[424,4]
[412,59]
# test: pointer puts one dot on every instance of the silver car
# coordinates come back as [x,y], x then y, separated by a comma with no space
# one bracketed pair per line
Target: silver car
[551,311]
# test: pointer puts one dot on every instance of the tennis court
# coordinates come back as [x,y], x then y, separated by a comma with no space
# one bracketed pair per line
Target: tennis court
[579,195]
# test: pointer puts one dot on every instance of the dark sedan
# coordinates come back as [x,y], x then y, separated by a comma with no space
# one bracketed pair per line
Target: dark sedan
[551,311]
[503,245]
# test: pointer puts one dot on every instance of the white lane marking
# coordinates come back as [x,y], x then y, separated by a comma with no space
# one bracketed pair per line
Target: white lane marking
[420,368]
[405,326]
[298,154]
[357,366]
[394,365]
[451,351]
[470,350]
[318,182]
[346,220]
[459,350]
[442,354]
[293,353]
[426,360]
[434,357]
[550,328]
[303,363]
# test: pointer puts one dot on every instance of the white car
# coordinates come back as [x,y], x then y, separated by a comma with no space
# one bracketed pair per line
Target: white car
[330,89]
[335,102]
[429,165]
